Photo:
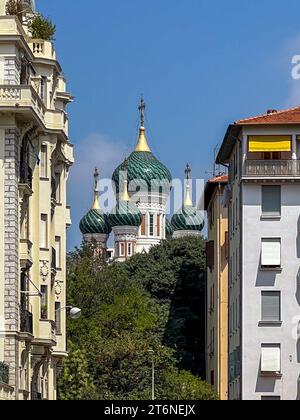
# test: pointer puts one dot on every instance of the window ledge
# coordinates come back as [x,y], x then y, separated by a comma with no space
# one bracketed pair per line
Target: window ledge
[276,269]
[270,217]
[270,324]
[42,178]
[275,375]
[45,249]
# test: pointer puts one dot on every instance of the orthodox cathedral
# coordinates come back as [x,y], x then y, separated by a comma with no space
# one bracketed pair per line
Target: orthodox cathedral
[142,187]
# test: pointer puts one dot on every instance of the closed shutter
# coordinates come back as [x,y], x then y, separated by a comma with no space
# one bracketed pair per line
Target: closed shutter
[210,254]
[271,253]
[271,359]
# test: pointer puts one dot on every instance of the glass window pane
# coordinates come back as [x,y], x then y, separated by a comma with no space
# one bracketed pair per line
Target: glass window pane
[271,306]
[271,199]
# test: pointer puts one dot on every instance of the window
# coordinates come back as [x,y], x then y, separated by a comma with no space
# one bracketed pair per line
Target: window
[158,225]
[271,306]
[58,251]
[129,249]
[43,87]
[44,302]
[122,249]
[271,253]
[43,163]
[210,254]
[143,226]
[57,188]
[271,200]
[226,245]
[271,359]
[44,231]
[58,317]
[212,378]
[151,225]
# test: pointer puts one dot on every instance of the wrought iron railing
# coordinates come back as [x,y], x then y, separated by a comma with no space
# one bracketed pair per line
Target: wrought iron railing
[4,373]
[26,175]
[26,321]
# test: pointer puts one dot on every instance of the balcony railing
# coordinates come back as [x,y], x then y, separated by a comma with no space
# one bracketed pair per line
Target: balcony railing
[272,168]
[22,96]
[26,321]
[4,373]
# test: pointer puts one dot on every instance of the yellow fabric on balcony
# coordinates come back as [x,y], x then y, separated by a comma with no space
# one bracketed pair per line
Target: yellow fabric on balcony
[270,143]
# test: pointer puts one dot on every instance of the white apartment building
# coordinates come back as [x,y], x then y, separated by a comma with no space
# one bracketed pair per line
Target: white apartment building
[263,156]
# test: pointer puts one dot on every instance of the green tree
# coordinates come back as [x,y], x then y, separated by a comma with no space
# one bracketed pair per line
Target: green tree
[42,28]
[75,383]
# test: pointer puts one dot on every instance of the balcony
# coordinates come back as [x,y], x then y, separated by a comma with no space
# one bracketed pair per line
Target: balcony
[42,49]
[272,168]
[26,322]
[20,97]
[47,334]
[26,253]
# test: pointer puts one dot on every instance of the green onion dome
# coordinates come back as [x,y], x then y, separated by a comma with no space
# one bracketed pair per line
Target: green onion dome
[143,166]
[125,214]
[95,222]
[169,229]
[188,218]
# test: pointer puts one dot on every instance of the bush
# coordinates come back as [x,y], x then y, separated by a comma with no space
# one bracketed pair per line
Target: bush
[14,8]
[42,28]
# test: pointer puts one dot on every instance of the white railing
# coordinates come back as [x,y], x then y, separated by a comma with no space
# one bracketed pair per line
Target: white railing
[10,93]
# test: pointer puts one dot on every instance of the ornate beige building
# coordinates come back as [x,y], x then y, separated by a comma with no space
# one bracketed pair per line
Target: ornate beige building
[35,158]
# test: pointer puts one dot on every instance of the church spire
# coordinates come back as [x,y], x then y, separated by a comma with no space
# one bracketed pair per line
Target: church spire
[142,144]
[125,196]
[96,205]
[188,200]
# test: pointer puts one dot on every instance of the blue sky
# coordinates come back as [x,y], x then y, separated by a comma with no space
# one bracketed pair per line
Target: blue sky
[200,65]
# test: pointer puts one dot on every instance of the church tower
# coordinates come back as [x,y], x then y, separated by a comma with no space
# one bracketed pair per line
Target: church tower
[94,225]
[149,184]
[188,221]
[125,220]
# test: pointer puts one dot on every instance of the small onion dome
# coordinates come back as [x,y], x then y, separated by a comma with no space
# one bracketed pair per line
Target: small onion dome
[125,214]
[95,221]
[169,229]
[189,219]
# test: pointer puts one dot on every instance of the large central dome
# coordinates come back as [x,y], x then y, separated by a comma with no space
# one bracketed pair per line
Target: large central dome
[145,171]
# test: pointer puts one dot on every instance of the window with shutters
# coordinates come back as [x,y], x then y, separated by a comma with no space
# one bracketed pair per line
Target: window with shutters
[271,253]
[271,306]
[210,254]
[271,359]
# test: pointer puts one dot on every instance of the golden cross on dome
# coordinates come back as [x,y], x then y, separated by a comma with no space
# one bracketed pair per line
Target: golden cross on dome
[142,108]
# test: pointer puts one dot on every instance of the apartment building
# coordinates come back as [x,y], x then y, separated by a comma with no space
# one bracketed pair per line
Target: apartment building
[263,157]
[217,286]
[35,158]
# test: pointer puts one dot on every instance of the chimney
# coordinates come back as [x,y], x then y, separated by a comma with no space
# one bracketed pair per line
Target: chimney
[272,111]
